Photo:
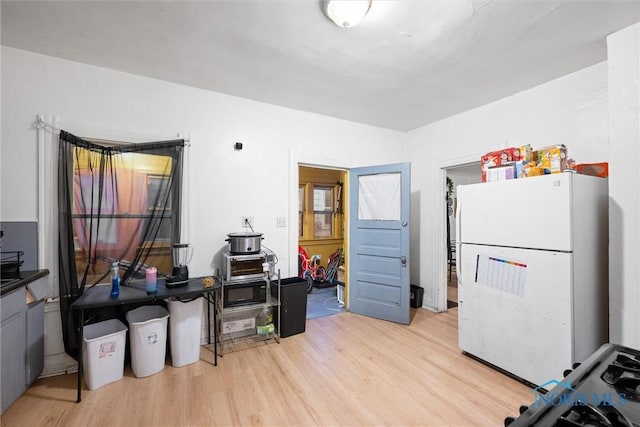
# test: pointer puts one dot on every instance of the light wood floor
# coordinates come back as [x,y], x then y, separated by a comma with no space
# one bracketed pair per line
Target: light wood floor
[345,370]
[452,287]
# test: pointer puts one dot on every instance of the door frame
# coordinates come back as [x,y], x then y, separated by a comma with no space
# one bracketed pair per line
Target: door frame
[440,270]
[294,179]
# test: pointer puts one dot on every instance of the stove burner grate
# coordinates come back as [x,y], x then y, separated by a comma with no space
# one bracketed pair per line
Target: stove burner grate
[584,414]
[624,375]
[605,391]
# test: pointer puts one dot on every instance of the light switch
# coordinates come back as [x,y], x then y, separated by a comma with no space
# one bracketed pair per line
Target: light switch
[281,221]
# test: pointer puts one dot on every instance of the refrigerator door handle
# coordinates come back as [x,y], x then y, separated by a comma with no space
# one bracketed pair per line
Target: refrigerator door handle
[458,220]
[458,263]
[458,239]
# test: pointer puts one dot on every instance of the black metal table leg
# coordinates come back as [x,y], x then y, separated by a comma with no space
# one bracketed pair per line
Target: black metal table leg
[80,367]
[209,318]
[215,329]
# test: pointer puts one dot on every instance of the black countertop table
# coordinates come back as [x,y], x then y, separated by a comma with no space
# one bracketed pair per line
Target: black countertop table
[99,296]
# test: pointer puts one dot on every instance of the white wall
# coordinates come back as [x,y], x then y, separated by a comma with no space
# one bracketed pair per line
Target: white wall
[226,184]
[624,180]
[259,181]
[572,110]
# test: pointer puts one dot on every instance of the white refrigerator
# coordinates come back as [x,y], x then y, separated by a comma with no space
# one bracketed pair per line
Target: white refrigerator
[532,260]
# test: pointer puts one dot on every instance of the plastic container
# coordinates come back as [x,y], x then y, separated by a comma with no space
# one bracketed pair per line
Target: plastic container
[240,321]
[185,326]
[151,280]
[115,280]
[103,345]
[340,294]
[264,321]
[148,339]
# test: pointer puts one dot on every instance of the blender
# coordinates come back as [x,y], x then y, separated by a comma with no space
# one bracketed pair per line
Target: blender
[182,253]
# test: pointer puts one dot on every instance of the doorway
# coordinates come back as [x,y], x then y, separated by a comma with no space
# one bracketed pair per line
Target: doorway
[321,238]
[463,174]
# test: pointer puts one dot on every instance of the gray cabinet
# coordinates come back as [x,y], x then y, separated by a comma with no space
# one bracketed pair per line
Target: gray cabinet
[34,341]
[13,346]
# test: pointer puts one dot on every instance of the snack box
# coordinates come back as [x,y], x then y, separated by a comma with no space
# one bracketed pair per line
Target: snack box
[509,170]
[501,173]
[531,169]
[501,157]
[553,158]
[526,153]
[594,169]
[488,161]
[519,165]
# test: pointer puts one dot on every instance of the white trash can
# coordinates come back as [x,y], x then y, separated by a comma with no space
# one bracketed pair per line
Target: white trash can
[148,339]
[185,326]
[103,345]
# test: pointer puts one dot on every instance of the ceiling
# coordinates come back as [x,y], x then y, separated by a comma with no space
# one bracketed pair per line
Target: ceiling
[407,64]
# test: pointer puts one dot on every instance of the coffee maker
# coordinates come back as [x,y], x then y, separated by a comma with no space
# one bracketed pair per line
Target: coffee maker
[181,256]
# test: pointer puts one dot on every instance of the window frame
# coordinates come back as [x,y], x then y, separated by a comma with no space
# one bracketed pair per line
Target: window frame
[307,231]
[160,249]
[327,210]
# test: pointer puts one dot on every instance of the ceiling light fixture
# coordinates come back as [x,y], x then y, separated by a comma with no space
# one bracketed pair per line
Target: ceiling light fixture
[345,13]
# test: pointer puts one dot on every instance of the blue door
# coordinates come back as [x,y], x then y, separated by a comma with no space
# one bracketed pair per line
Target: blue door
[379,212]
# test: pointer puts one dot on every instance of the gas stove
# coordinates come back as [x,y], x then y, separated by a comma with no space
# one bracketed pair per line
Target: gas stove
[604,390]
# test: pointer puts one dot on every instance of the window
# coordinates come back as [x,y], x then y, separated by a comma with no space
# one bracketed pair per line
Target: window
[319,204]
[301,203]
[122,212]
[323,210]
[158,191]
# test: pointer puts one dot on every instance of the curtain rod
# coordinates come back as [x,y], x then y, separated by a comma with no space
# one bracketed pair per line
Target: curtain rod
[41,123]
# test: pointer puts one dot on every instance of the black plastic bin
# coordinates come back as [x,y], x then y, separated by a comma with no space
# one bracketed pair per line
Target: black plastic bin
[293,306]
[417,293]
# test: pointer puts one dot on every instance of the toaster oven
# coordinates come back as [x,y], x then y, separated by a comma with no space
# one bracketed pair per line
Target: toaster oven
[243,267]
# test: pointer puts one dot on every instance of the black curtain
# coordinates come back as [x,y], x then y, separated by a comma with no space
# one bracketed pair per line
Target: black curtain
[116,203]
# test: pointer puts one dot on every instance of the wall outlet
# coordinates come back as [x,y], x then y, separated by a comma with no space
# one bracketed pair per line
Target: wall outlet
[281,221]
[247,222]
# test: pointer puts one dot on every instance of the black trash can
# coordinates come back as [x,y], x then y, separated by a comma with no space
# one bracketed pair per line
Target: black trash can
[293,306]
[417,294]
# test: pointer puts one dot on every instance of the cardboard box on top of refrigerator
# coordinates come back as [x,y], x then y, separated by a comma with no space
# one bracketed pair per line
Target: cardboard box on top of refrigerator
[526,153]
[594,169]
[519,166]
[509,170]
[501,173]
[490,160]
[531,169]
[504,156]
[553,159]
